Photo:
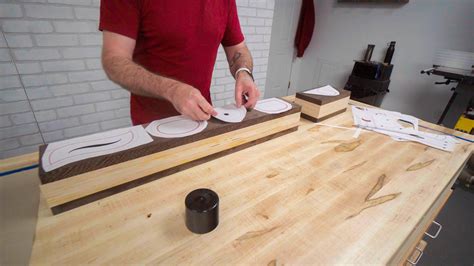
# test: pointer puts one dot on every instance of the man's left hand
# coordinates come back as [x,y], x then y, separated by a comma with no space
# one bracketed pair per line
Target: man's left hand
[246,92]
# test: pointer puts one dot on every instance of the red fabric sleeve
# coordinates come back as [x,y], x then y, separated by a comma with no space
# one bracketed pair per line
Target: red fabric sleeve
[120,16]
[233,34]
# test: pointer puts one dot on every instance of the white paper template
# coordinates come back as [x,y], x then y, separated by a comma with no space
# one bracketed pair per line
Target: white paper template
[175,127]
[446,144]
[272,106]
[381,119]
[388,123]
[60,153]
[231,113]
[327,90]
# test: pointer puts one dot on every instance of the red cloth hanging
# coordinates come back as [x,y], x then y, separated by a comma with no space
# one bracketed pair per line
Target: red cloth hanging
[305,27]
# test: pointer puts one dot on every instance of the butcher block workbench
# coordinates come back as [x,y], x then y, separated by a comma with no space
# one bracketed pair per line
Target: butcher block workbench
[314,196]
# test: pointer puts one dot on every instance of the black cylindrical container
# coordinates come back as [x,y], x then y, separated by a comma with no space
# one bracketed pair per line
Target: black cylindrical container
[202,211]
[368,53]
[389,54]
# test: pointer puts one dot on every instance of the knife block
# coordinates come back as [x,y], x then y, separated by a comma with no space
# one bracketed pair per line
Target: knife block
[318,107]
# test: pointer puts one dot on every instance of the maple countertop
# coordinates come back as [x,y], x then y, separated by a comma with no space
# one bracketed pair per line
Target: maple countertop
[317,195]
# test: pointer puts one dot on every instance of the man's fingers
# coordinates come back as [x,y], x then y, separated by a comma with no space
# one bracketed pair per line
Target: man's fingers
[195,112]
[199,114]
[206,107]
[238,96]
[252,99]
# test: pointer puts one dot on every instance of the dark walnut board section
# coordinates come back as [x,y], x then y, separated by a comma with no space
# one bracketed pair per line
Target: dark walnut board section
[322,100]
[214,128]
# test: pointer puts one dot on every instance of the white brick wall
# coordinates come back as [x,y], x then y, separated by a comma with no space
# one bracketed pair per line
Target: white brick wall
[256,22]
[51,80]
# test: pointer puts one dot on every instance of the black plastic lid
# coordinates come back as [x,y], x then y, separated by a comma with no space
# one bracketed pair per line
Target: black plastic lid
[202,210]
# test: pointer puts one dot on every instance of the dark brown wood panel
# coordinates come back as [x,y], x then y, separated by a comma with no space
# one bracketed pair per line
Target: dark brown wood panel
[320,99]
[137,182]
[315,120]
[215,127]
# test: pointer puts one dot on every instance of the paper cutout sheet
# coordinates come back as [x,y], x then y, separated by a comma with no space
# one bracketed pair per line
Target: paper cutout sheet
[388,123]
[272,106]
[231,113]
[382,119]
[327,90]
[61,153]
[175,127]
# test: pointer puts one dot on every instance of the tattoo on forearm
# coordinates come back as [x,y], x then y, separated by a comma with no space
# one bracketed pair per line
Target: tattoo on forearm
[241,58]
[234,59]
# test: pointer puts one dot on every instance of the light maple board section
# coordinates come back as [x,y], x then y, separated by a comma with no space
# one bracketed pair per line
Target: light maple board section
[82,185]
[318,107]
[315,196]
[321,112]
[408,248]
[19,162]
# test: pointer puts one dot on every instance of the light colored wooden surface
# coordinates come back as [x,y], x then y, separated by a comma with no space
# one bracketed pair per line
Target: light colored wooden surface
[314,196]
[418,232]
[19,161]
[75,187]
[318,111]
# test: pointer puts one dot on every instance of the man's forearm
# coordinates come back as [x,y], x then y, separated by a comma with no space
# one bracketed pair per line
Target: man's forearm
[136,78]
[238,57]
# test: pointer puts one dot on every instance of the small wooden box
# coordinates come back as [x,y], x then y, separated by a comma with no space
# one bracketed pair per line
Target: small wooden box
[317,107]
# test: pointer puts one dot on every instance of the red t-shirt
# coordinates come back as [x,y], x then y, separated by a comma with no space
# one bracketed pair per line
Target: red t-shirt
[176,39]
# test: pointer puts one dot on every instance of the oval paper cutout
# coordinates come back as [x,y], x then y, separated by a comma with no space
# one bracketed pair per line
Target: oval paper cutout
[175,127]
[272,106]
[230,113]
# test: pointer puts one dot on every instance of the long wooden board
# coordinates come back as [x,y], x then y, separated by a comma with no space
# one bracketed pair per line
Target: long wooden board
[88,180]
[215,127]
[315,196]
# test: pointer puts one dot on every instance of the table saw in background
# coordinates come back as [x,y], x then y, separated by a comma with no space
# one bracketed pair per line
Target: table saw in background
[455,67]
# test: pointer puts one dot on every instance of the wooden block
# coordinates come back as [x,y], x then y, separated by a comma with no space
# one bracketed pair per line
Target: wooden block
[317,107]
[88,180]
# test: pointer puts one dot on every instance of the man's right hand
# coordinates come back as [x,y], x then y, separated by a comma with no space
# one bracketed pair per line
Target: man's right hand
[189,102]
[118,64]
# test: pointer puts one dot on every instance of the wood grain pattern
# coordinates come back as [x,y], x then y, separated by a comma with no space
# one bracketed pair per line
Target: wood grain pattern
[284,201]
[215,127]
[16,162]
[321,99]
[347,147]
[416,253]
[404,252]
[80,189]
[316,112]
[419,166]
[146,179]
[316,120]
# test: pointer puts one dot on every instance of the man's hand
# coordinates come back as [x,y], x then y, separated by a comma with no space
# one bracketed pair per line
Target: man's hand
[246,92]
[118,64]
[189,102]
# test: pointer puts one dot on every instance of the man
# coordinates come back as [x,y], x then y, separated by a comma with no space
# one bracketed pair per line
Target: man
[164,51]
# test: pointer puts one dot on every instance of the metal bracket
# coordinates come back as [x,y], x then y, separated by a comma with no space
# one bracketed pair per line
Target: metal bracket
[418,258]
[420,254]
[437,232]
